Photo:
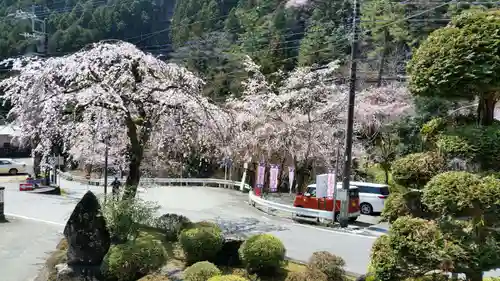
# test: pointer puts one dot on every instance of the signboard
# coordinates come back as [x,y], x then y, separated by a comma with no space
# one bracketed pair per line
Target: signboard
[261,171]
[321,186]
[273,178]
[331,185]
[291,177]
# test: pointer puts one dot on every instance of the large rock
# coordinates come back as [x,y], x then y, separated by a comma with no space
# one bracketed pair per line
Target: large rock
[86,233]
[228,255]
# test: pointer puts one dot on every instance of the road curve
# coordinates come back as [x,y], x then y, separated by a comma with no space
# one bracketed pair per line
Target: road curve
[228,208]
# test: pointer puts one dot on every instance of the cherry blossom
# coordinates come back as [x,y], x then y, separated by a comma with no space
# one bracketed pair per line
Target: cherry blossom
[305,118]
[111,94]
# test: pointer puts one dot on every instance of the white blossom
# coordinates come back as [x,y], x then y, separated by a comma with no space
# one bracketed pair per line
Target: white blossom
[113,94]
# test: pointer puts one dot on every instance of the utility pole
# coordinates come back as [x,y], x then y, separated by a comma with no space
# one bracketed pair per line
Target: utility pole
[344,206]
[106,171]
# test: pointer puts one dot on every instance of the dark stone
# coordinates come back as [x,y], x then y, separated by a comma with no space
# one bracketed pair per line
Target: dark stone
[86,232]
[228,255]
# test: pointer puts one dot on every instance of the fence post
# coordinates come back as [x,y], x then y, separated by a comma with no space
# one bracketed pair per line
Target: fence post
[2,209]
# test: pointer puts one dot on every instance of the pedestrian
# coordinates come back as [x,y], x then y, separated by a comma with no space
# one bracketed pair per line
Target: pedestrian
[116,188]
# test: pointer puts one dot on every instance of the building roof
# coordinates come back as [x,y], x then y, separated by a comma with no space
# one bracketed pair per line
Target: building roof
[9,130]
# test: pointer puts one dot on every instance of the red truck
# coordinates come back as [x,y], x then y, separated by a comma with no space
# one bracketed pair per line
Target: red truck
[310,201]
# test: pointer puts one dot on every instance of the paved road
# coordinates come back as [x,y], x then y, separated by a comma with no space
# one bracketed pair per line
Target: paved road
[201,203]
[226,208]
[24,246]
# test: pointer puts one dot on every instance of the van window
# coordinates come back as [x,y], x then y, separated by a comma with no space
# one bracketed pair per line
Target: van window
[374,190]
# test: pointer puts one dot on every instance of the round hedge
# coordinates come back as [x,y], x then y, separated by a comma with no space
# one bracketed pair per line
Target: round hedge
[134,259]
[172,225]
[452,193]
[331,265]
[227,278]
[415,170]
[409,243]
[201,244]
[201,271]
[263,253]
[154,277]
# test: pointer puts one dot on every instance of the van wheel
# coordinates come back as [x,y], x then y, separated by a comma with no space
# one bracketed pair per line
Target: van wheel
[366,209]
[13,171]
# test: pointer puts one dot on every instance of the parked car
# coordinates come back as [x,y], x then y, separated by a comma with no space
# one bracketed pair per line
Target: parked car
[310,201]
[372,196]
[12,167]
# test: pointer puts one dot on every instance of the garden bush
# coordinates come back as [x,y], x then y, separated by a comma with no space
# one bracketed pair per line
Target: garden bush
[451,193]
[415,170]
[154,277]
[201,243]
[172,225]
[310,275]
[133,259]
[227,278]
[262,253]
[125,218]
[331,265]
[201,271]
[404,204]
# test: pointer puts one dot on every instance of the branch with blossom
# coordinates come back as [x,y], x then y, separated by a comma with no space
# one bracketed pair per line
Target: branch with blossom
[113,94]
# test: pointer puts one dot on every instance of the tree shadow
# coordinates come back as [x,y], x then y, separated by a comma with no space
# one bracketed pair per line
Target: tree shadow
[245,226]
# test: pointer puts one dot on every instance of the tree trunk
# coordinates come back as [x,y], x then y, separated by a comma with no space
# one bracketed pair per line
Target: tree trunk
[135,155]
[37,159]
[386,173]
[382,58]
[486,109]
[474,276]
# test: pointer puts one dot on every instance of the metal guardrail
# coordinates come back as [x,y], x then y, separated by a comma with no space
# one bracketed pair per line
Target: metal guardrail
[271,206]
[255,201]
[165,181]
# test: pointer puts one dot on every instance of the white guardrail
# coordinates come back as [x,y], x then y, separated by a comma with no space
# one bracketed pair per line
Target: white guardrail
[164,181]
[255,201]
[271,207]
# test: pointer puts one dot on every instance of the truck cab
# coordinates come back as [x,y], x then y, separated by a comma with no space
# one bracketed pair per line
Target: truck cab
[309,200]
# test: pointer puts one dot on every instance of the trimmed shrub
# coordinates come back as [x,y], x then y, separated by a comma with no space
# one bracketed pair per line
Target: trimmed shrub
[415,170]
[243,273]
[331,265]
[201,244]
[125,218]
[451,193]
[134,259]
[201,271]
[172,225]
[310,275]
[227,278]
[262,253]
[154,277]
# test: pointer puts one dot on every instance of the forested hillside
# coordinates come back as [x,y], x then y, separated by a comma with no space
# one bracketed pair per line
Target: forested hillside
[210,37]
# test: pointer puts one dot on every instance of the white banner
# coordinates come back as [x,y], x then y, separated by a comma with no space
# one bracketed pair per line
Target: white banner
[291,177]
[273,178]
[331,185]
[260,175]
[321,185]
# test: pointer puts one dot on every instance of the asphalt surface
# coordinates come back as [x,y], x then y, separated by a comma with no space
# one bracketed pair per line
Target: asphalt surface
[25,244]
[40,219]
